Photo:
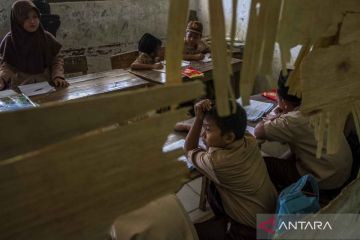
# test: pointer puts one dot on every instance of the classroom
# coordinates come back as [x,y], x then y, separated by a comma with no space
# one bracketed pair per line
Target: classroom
[179,119]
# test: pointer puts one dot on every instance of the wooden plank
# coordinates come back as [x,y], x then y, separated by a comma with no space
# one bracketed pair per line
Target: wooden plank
[342,64]
[86,86]
[350,28]
[75,64]
[178,12]
[123,60]
[29,129]
[150,75]
[74,189]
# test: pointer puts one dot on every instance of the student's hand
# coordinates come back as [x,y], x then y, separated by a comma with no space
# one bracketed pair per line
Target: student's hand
[278,110]
[158,66]
[199,56]
[201,107]
[2,84]
[59,82]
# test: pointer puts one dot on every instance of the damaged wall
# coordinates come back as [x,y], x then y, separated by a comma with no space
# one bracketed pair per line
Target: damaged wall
[99,29]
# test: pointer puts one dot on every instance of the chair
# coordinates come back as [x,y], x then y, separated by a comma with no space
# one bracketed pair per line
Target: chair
[123,60]
[75,64]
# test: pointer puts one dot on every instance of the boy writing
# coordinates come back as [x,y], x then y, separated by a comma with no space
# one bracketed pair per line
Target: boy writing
[194,48]
[291,127]
[149,53]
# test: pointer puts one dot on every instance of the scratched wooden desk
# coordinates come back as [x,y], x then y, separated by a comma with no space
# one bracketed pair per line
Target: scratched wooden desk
[94,84]
[160,77]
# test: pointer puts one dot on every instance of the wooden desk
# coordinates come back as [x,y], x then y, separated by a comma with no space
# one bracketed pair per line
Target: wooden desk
[93,84]
[206,68]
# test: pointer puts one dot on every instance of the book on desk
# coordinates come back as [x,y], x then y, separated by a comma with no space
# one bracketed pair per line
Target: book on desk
[11,101]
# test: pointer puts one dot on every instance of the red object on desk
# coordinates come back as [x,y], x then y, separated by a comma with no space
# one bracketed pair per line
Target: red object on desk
[272,95]
[191,72]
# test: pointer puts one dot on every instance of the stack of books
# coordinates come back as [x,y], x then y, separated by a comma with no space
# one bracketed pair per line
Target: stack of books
[191,73]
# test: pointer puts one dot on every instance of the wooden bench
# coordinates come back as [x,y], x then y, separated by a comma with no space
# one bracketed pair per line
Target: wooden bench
[75,64]
[123,60]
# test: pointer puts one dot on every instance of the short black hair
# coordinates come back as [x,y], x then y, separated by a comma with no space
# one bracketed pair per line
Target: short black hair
[283,90]
[235,122]
[148,43]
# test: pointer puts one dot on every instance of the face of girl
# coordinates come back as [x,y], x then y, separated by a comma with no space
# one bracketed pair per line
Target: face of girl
[31,23]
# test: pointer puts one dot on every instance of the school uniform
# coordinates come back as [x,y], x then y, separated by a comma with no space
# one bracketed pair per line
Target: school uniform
[14,77]
[331,171]
[201,47]
[28,57]
[144,58]
[239,174]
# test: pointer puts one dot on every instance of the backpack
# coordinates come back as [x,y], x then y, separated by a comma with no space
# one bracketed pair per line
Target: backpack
[301,197]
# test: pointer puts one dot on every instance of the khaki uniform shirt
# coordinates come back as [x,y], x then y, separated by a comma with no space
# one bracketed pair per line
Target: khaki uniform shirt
[144,58]
[240,176]
[201,47]
[331,171]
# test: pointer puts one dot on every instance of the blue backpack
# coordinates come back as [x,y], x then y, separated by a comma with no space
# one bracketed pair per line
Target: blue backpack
[301,197]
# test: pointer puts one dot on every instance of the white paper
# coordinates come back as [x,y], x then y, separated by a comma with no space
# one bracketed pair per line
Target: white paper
[183,63]
[7,93]
[185,160]
[174,146]
[251,130]
[36,88]
[207,58]
[160,70]
[256,109]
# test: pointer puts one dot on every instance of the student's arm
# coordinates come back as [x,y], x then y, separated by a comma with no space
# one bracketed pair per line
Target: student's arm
[57,72]
[5,75]
[260,130]
[193,57]
[279,129]
[204,48]
[192,139]
[143,66]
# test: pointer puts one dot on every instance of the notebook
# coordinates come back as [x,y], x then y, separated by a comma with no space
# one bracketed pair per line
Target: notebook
[191,72]
[14,101]
[256,109]
[36,88]
[207,58]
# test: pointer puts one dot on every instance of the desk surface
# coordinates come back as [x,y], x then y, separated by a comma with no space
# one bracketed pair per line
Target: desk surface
[206,68]
[93,84]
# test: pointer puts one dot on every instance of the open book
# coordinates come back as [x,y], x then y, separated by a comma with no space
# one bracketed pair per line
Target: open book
[256,109]
[10,101]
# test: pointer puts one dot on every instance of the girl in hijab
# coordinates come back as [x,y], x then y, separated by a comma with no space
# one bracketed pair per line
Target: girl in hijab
[28,53]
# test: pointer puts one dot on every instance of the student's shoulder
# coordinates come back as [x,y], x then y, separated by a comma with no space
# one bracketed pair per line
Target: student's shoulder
[295,118]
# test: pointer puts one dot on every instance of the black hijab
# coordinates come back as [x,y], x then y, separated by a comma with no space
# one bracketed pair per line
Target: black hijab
[28,52]
[148,43]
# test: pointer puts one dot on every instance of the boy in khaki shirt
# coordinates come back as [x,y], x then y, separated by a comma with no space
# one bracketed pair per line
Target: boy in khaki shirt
[194,47]
[149,53]
[238,175]
[291,127]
